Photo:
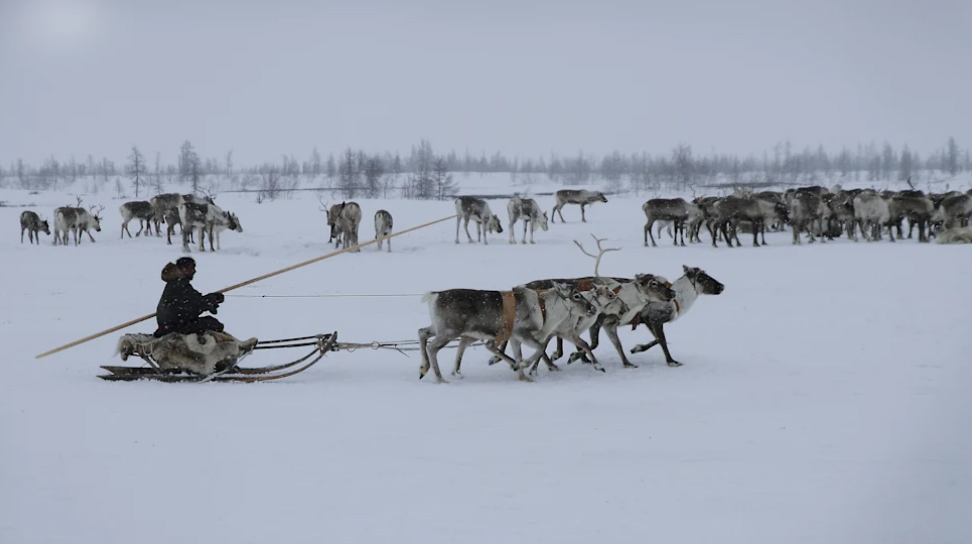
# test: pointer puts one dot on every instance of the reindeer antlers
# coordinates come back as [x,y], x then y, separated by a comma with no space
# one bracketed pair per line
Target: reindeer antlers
[79,201]
[601,252]
[324,205]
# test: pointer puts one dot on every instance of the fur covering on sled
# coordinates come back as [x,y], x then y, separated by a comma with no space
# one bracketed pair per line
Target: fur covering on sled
[196,353]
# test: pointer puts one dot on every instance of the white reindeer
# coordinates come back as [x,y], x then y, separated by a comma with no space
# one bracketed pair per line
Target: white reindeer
[527,210]
[470,207]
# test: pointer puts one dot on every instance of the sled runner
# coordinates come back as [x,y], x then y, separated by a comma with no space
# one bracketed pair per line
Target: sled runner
[209,357]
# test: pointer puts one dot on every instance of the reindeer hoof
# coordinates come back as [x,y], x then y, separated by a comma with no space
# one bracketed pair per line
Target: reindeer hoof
[457,374]
[674,363]
[525,378]
[493,360]
[630,365]
[553,368]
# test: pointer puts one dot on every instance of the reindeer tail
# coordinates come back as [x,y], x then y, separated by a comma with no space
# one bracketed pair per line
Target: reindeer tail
[430,296]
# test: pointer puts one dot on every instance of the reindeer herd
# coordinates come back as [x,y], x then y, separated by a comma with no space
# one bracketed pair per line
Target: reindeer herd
[813,211]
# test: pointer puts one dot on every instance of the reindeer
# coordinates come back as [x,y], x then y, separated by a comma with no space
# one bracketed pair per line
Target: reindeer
[632,294]
[728,211]
[171,220]
[344,219]
[383,227]
[207,218]
[76,220]
[528,210]
[954,211]
[470,207]
[655,315]
[574,196]
[495,316]
[871,210]
[676,210]
[162,205]
[138,209]
[805,209]
[33,224]
[602,293]
[918,208]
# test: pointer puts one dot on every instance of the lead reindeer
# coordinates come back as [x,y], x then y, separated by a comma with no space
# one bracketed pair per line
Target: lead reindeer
[495,316]
[32,223]
[583,197]
[343,220]
[476,209]
[138,209]
[383,227]
[527,210]
[655,315]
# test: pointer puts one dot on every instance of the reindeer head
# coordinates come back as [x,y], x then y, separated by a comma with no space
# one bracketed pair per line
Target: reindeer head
[608,301]
[654,287]
[576,303]
[232,222]
[542,221]
[703,283]
[494,225]
[96,215]
[600,196]
[44,226]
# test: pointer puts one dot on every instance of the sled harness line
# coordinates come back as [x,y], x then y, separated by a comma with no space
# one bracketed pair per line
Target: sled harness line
[332,295]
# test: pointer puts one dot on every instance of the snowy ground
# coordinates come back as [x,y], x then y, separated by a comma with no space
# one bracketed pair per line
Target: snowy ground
[824,397]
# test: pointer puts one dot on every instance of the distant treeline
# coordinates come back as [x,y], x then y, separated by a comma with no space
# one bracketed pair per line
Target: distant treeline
[422,173]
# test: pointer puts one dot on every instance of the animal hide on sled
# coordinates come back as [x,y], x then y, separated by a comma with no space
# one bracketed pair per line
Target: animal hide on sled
[182,351]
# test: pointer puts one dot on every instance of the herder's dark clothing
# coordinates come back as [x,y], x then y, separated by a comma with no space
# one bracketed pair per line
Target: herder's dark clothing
[180,306]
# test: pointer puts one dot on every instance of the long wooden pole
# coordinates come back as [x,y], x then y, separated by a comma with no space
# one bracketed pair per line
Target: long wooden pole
[248,282]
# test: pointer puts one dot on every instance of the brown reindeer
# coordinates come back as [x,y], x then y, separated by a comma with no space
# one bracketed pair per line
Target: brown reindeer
[138,209]
[582,197]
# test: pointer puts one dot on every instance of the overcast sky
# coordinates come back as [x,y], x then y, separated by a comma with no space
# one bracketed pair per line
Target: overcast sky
[522,77]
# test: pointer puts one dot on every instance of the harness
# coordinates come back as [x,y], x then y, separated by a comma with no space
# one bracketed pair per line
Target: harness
[509,316]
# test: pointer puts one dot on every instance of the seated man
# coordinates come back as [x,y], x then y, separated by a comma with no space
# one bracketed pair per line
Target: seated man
[180,307]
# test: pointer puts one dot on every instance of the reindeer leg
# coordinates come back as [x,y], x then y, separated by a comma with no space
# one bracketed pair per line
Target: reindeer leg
[525,232]
[424,334]
[463,342]
[496,358]
[583,219]
[559,352]
[612,332]
[437,343]
[88,232]
[648,226]
[491,346]
[659,333]
[559,210]
[466,225]
[575,339]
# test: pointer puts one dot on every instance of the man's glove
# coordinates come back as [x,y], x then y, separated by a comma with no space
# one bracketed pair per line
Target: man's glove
[214,300]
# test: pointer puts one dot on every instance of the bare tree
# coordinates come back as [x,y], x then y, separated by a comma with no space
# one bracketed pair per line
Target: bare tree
[136,169]
[187,156]
[373,173]
[270,184]
[444,186]
[349,175]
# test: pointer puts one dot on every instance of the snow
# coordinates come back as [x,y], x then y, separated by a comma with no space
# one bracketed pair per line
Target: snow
[823,397]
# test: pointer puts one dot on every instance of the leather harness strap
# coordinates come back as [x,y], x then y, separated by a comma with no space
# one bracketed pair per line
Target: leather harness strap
[508,316]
